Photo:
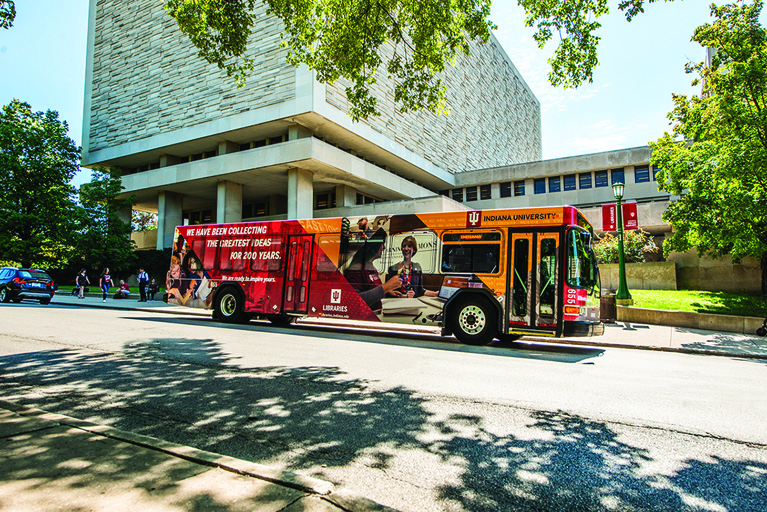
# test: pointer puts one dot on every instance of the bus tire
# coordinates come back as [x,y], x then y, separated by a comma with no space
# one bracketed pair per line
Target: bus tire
[474,321]
[281,319]
[229,306]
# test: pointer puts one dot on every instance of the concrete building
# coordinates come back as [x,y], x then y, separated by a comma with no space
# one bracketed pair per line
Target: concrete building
[194,148]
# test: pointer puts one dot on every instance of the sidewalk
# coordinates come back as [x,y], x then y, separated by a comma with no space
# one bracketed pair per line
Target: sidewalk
[54,462]
[618,335]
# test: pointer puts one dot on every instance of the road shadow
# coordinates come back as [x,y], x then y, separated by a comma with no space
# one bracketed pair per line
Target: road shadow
[525,350]
[313,419]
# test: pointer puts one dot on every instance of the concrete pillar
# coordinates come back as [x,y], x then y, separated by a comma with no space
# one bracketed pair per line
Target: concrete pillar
[226,147]
[166,160]
[297,131]
[300,194]
[169,215]
[228,202]
[345,196]
[495,190]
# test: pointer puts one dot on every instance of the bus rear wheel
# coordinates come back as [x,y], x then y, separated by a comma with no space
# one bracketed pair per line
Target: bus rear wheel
[229,306]
[474,321]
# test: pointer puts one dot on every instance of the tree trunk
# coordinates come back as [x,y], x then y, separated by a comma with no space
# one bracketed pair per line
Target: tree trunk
[764,274]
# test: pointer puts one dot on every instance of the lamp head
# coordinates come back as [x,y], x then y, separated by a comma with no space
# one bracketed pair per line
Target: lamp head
[618,190]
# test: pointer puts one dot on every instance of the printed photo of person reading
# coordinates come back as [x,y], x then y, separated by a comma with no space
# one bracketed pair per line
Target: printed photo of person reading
[187,283]
[363,275]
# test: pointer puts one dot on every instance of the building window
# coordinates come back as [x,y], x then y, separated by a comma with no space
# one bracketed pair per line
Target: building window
[471,193]
[539,185]
[506,189]
[255,209]
[617,176]
[570,182]
[519,188]
[600,179]
[484,192]
[584,180]
[198,217]
[655,171]
[458,195]
[325,201]
[363,199]
[445,192]
[555,184]
[642,174]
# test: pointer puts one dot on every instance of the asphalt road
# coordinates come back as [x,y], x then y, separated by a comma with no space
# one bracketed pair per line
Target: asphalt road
[417,424]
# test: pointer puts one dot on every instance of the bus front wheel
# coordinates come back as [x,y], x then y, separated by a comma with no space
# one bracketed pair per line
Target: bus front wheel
[474,322]
[229,306]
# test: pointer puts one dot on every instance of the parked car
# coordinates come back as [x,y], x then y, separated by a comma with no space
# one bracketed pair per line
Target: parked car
[17,284]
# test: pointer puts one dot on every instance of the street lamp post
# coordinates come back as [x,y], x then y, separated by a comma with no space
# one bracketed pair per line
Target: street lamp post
[623,289]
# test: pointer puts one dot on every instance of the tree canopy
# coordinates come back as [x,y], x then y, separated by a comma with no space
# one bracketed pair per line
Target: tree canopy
[105,240]
[37,202]
[716,158]
[412,41]
[7,13]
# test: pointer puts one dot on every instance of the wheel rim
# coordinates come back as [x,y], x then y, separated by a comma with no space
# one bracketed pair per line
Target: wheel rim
[3,295]
[228,305]
[472,319]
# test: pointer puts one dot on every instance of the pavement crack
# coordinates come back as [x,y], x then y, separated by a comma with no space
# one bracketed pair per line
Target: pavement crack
[32,431]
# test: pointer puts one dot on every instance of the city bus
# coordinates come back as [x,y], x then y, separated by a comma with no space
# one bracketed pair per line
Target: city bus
[478,275]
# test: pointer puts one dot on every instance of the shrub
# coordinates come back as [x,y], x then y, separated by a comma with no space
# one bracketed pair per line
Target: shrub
[636,245]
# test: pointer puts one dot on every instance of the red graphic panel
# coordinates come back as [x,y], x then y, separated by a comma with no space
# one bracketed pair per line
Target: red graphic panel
[609,217]
[630,220]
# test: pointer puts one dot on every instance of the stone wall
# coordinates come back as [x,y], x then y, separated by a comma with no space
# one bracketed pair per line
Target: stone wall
[720,275]
[494,119]
[148,79]
[659,275]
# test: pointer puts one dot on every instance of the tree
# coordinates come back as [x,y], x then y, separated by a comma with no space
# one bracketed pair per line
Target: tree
[7,13]
[37,202]
[351,39]
[716,159]
[104,240]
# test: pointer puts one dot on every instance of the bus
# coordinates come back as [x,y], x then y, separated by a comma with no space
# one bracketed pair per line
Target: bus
[478,275]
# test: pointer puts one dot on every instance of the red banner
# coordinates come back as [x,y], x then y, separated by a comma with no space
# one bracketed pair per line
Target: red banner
[630,220]
[609,216]
[609,220]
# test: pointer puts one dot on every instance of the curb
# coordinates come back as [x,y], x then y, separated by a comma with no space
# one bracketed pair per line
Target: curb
[306,484]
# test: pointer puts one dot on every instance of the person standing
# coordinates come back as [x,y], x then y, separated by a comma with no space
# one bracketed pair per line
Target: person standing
[81,282]
[143,280]
[105,281]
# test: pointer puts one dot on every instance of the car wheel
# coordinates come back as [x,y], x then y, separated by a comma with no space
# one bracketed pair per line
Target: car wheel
[474,321]
[229,306]
[45,302]
[4,296]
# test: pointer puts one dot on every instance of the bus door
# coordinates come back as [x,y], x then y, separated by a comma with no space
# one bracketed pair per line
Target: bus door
[295,299]
[534,281]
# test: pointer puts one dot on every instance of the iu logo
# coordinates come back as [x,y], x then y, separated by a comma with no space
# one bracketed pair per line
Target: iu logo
[335,296]
[473,219]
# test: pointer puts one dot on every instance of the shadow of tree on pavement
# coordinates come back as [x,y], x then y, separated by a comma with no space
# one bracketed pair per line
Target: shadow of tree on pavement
[302,418]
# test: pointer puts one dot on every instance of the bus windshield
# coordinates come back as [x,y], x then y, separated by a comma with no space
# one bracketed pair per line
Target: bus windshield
[581,262]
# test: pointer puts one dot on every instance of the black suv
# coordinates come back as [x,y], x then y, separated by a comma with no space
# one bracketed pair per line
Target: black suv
[17,284]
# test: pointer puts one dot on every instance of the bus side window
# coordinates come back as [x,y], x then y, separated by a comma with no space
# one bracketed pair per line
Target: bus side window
[209,254]
[265,254]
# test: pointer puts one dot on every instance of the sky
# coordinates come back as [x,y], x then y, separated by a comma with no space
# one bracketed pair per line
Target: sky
[42,62]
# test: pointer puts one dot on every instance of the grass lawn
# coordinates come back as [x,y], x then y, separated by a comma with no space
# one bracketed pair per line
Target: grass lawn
[742,304]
